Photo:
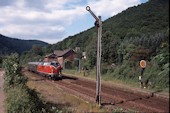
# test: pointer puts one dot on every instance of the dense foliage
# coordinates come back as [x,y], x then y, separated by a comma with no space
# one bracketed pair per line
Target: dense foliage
[36,53]
[13,76]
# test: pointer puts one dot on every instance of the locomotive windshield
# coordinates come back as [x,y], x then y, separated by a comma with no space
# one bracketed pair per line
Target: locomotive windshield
[54,64]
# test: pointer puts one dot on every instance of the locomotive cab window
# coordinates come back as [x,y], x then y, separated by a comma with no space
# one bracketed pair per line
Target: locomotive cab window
[54,64]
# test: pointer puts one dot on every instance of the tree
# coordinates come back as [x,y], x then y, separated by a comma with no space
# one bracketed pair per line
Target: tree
[37,49]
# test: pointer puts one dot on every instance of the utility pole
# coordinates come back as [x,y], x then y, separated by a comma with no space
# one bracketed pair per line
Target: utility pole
[98,24]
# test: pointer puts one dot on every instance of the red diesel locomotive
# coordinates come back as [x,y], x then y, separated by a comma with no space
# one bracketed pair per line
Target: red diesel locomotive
[49,69]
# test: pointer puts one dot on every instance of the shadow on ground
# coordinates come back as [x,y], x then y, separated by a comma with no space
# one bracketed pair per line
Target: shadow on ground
[68,77]
[134,99]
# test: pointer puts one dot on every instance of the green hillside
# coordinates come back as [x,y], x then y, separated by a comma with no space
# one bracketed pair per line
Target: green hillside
[145,19]
[9,45]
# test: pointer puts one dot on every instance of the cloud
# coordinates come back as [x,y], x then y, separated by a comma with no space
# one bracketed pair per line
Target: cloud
[48,20]
[108,8]
[24,20]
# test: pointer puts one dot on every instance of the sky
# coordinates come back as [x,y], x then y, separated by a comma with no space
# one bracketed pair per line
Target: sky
[53,20]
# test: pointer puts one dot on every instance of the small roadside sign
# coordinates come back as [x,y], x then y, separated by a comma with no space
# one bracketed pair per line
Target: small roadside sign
[142,63]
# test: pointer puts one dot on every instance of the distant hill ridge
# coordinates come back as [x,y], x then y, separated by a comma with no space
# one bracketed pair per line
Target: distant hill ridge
[9,45]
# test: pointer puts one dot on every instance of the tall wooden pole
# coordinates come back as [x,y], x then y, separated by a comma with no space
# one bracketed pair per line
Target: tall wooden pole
[99,60]
[98,24]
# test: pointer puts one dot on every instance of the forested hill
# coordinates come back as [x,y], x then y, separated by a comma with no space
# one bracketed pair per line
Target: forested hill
[148,18]
[9,45]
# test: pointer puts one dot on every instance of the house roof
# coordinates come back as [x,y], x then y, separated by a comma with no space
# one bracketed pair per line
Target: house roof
[52,55]
[60,53]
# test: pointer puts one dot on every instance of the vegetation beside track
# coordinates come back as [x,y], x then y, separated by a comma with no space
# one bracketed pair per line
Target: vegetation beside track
[19,97]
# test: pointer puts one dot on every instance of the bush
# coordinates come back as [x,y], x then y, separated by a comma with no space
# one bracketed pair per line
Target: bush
[22,100]
[13,76]
[158,75]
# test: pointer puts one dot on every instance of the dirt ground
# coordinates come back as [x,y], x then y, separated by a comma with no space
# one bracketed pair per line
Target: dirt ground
[65,99]
[61,99]
[2,96]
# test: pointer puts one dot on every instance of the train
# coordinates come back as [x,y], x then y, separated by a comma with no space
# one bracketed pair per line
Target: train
[51,70]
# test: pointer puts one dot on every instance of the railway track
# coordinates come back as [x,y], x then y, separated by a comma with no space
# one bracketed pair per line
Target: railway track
[112,96]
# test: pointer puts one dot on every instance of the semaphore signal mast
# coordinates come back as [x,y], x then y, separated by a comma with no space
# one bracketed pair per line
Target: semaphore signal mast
[98,24]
